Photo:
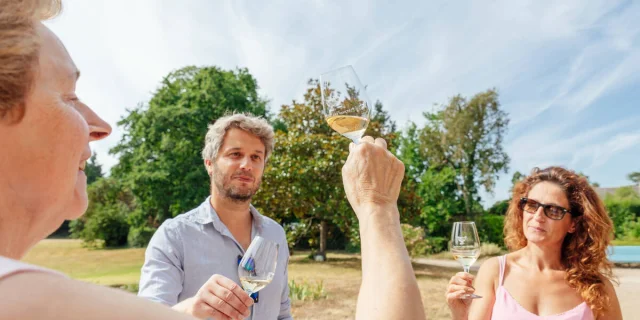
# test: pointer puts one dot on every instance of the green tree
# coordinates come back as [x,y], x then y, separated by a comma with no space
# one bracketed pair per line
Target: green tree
[499,208]
[441,200]
[634,177]
[431,192]
[303,181]
[517,177]
[467,136]
[626,193]
[624,209]
[110,204]
[160,151]
[93,170]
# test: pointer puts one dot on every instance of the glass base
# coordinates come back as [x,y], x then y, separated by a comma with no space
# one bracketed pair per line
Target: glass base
[470,296]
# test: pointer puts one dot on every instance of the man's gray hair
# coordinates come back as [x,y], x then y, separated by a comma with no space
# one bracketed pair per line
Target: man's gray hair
[257,126]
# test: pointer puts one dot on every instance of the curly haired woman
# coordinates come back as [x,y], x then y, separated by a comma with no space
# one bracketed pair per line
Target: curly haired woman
[557,231]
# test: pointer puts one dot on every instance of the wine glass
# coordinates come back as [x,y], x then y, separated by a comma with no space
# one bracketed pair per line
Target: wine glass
[345,103]
[258,265]
[465,247]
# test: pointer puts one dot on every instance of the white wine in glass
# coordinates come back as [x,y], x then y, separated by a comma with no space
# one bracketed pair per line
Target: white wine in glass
[258,265]
[345,102]
[352,127]
[465,247]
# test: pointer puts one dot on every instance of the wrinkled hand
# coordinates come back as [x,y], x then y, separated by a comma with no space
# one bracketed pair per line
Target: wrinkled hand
[371,176]
[220,298]
[459,285]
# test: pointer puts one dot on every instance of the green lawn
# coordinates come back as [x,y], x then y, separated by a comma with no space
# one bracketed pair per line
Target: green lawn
[635,242]
[340,276]
[105,267]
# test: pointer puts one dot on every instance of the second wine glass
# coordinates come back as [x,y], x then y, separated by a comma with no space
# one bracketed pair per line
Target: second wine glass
[258,265]
[465,247]
[345,102]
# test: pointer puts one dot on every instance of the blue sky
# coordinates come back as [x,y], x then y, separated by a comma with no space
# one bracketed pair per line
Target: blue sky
[568,71]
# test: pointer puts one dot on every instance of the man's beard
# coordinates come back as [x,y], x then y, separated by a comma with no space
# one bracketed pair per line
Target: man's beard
[230,191]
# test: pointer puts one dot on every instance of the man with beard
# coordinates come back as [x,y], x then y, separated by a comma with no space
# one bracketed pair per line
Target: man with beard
[191,263]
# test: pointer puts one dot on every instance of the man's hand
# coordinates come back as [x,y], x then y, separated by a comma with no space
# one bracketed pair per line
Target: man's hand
[219,298]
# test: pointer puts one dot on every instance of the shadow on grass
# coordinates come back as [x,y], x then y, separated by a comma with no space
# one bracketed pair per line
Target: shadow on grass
[342,262]
[432,272]
[353,262]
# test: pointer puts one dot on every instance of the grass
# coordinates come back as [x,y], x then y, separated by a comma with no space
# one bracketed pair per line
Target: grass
[634,242]
[304,291]
[334,284]
[105,267]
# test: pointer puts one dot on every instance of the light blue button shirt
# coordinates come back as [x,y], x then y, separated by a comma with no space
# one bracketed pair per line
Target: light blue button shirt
[188,249]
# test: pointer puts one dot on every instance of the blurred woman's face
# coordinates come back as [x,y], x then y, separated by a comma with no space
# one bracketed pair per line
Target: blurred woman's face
[44,155]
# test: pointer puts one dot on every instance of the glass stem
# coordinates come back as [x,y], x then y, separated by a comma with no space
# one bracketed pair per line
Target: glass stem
[466,268]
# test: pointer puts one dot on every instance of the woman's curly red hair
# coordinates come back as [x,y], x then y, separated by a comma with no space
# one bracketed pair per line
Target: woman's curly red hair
[584,252]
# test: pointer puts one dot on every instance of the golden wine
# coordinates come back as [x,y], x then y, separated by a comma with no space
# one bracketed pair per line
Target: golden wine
[466,257]
[253,285]
[352,127]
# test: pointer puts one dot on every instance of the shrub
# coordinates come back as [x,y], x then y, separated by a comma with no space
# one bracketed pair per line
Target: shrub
[490,229]
[437,244]
[414,240]
[488,249]
[623,212]
[106,218]
[304,291]
[139,237]
[108,224]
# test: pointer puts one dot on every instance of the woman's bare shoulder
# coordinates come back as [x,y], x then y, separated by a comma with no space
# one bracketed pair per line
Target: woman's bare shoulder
[490,268]
[39,295]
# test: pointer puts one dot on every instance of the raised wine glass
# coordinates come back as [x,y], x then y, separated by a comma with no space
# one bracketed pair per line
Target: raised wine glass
[345,103]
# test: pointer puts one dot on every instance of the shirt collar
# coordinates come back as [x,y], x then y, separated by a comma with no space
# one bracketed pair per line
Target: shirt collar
[207,214]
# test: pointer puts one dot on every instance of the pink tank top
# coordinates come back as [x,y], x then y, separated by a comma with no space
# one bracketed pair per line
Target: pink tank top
[506,307]
[10,267]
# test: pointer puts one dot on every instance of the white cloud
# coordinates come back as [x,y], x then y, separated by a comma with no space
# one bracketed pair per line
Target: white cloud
[549,60]
[599,154]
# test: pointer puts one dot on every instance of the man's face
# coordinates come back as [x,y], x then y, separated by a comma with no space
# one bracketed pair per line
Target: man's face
[237,171]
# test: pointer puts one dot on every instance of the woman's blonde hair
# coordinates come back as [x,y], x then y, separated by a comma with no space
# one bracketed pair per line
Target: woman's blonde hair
[257,126]
[584,252]
[19,50]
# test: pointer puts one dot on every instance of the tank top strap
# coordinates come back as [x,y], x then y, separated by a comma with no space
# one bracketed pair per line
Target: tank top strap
[503,262]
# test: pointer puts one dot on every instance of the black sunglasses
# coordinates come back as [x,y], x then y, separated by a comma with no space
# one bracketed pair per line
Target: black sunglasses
[553,212]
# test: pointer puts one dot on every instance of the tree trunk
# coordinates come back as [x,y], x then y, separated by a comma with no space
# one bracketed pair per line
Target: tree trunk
[322,254]
[467,201]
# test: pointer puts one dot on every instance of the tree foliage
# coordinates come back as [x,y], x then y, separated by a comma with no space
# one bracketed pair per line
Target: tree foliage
[93,170]
[110,204]
[303,180]
[466,136]
[160,151]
